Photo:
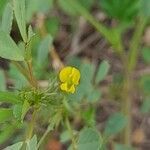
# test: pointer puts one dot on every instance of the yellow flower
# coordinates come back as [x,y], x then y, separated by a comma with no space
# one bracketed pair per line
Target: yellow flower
[69,76]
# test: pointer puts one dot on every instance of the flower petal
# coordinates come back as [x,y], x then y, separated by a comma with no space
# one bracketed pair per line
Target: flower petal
[72,89]
[63,87]
[75,76]
[64,74]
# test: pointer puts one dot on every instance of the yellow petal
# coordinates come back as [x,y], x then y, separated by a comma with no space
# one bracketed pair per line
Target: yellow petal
[63,86]
[72,89]
[64,74]
[75,76]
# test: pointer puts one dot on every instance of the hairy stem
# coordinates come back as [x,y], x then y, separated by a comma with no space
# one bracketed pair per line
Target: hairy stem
[31,125]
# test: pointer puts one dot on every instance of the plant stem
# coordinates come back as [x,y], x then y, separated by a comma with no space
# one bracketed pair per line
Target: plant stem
[42,138]
[126,108]
[31,125]
[74,146]
[129,67]
[135,44]
[32,79]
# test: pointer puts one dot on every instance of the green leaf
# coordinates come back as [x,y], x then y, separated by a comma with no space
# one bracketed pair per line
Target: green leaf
[89,116]
[52,26]
[89,139]
[102,71]
[66,7]
[20,110]
[65,136]
[123,10]
[9,97]
[122,147]
[70,9]
[17,111]
[19,10]
[145,5]
[115,124]
[8,48]
[145,84]
[7,18]
[5,114]
[6,132]
[17,77]
[2,81]
[25,108]
[2,6]
[16,146]
[30,33]
[146,54]
[145,108]
[32,144]
[37,6]
[94,95]
[87,3]
[43,50]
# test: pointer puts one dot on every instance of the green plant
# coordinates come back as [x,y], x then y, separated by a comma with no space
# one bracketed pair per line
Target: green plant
[124,11]
[29,105]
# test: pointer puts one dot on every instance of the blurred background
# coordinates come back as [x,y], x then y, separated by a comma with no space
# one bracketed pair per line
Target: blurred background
[68,36]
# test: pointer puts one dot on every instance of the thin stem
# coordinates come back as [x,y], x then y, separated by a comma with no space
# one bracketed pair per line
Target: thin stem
[44,136]
[71,133]
[126,109]
[129,67]
[135,44]
[32,79]
[31,125]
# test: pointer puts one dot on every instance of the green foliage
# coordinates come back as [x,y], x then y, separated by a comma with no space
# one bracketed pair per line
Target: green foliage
[89,116]
[115,124]
[64,5]
[52,26]
[7,18]
[37,6]
[16,146]
[5,114]
[30,33]
[50,102]
[145,108]
[2,6]
[65,136]
[146,54]
[123,10]
[25,108]
[19,10]
[43,50]
[9,97]
[102,71]
[7,131]
[8,48]
[145,84]
[32,144]
[89,139]
[16,76]
[145,5]
[70,9]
